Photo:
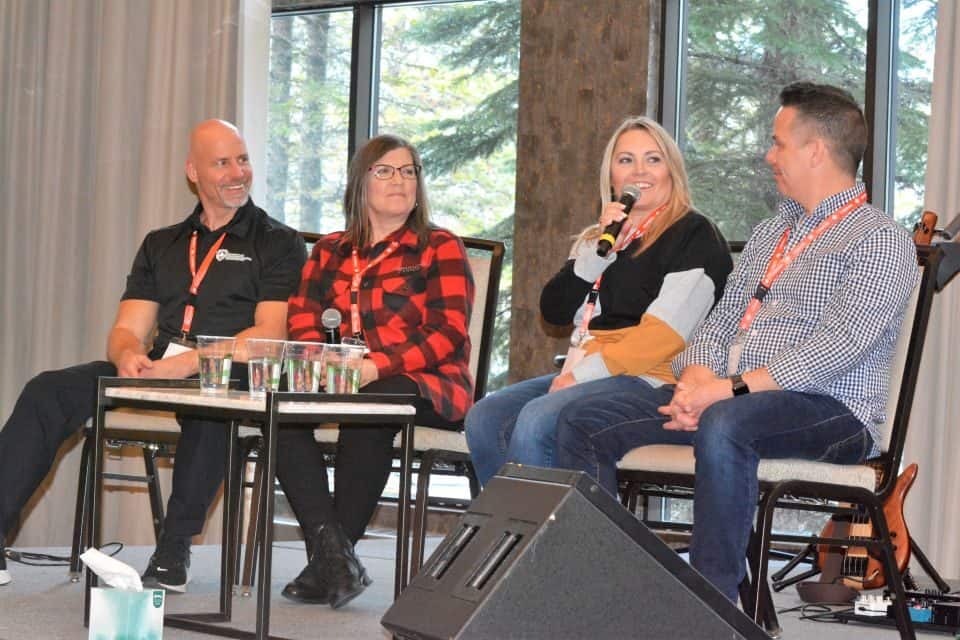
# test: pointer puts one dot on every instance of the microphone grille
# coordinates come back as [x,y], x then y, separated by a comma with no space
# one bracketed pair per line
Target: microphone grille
[330,318]
[631,190]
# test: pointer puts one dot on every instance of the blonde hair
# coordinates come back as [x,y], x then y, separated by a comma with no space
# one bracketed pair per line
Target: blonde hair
[679,202]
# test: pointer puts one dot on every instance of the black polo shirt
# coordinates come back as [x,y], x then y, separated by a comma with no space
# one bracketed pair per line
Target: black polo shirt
[260,260]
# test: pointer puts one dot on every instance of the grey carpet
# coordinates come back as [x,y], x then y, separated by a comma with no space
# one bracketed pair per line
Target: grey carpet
[42,603]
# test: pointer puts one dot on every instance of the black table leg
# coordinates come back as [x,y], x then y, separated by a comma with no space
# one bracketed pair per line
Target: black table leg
[403,509]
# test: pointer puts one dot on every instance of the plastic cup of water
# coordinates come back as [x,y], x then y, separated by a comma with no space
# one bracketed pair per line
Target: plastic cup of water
[342,363]
[264,364]
[216,357]
[303,361]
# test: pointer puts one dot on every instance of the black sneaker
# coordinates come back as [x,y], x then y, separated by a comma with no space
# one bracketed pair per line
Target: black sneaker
[168,568]
[4,574]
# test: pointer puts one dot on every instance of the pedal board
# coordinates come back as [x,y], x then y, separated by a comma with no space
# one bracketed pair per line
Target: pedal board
[929,610]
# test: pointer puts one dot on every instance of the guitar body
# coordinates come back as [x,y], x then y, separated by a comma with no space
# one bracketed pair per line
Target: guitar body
[924,229]
[858,568]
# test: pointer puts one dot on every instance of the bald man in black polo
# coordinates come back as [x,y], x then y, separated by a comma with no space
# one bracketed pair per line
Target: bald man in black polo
[256,266]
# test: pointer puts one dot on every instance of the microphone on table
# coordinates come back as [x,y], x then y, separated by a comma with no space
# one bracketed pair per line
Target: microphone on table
[629,195]
[331,319]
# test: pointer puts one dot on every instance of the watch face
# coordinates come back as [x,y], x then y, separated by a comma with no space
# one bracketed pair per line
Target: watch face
[739,386]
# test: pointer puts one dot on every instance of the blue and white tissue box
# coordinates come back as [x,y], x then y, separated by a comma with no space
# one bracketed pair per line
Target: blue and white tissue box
[118,614]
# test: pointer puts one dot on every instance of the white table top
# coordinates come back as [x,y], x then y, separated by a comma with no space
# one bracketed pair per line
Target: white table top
[242,400]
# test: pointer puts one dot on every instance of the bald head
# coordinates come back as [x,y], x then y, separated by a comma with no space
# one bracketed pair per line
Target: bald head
[219,168]
[209,132]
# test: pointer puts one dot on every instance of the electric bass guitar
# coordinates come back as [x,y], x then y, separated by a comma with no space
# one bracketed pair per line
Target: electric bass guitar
[855,566]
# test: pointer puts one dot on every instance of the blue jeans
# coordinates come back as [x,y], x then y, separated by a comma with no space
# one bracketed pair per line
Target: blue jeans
[518,423]
[733,436]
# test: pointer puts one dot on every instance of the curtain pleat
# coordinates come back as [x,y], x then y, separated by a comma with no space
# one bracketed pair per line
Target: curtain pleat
[98,100]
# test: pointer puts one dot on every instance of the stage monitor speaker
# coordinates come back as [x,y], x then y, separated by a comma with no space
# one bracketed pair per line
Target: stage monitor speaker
[545,553]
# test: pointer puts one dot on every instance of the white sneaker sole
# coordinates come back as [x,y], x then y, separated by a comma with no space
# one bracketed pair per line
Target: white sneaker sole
[5,577]
[179,588]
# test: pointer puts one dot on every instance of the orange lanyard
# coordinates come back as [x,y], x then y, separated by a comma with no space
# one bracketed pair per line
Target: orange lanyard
[355,326]
[198,277]
[779,262]
[641,229]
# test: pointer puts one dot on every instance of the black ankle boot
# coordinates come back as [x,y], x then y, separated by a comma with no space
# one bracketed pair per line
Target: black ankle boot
[346,576]
[310,587]
[334,575]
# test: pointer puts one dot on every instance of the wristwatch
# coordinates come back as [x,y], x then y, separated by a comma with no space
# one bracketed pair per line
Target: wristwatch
[739,386]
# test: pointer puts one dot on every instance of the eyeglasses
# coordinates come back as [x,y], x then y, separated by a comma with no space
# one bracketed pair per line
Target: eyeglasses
[385,171]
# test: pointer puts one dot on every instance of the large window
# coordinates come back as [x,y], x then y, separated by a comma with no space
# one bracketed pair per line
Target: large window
[730,59]
[441,74]
[917,34]
[725,62]
[309,118]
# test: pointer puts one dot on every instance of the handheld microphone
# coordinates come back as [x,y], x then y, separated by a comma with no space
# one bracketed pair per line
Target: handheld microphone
[331,319]
[629,195]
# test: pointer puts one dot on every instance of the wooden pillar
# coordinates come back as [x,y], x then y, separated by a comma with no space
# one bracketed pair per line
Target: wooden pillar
[583,69]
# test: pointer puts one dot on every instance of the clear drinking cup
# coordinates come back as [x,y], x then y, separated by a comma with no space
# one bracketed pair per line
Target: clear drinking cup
[342,364]
[303,361]
[264,364]
[216,357]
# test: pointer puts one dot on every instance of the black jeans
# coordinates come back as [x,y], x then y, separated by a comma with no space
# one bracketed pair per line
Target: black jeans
[55,404]
[364,457]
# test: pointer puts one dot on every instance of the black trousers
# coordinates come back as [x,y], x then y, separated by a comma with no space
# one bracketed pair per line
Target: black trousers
[364,457]
[55,404]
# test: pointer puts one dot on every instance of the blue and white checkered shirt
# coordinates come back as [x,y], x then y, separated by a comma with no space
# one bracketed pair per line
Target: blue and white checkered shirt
[829,323]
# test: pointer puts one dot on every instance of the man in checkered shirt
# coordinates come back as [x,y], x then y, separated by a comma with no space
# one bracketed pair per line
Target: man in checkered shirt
[793,360]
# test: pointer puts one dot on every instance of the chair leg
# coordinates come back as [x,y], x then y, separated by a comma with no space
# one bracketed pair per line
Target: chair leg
[427,460]
[627,499]
[759,604]
[79,522]
[153,489]
[472,479]
[250,550]
[748,596]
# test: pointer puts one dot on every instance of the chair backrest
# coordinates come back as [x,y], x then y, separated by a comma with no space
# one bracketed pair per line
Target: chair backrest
[486,264]
[898,367]
[905,369]
[310,238]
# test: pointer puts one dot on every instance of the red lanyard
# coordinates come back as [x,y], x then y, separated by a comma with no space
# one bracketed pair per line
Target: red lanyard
[595,290]
[779,262]
[355,326]
[198,277]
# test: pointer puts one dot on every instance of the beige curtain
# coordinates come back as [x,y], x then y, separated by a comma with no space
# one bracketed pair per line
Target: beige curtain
[97,98]
[933,511]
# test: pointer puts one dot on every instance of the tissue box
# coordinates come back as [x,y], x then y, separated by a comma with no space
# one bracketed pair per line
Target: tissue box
[116,614]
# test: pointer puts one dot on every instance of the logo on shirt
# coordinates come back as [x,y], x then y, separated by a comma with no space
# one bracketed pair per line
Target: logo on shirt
[223,254]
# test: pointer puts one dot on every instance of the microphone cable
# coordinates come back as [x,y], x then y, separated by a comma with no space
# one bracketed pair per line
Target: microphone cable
[34,559]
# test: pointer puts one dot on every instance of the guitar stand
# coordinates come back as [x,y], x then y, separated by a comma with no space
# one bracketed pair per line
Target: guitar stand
[779,580]
[927,567]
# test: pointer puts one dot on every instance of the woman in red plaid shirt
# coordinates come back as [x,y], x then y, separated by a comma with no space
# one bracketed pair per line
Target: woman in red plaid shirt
[404,287]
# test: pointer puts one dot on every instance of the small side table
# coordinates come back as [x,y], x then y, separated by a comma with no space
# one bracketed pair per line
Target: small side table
[306,409]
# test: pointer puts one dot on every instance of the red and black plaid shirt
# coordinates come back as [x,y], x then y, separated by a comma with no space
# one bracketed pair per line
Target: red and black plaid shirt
[414,310]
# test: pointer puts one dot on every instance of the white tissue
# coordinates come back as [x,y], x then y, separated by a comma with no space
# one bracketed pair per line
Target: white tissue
[115,573]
